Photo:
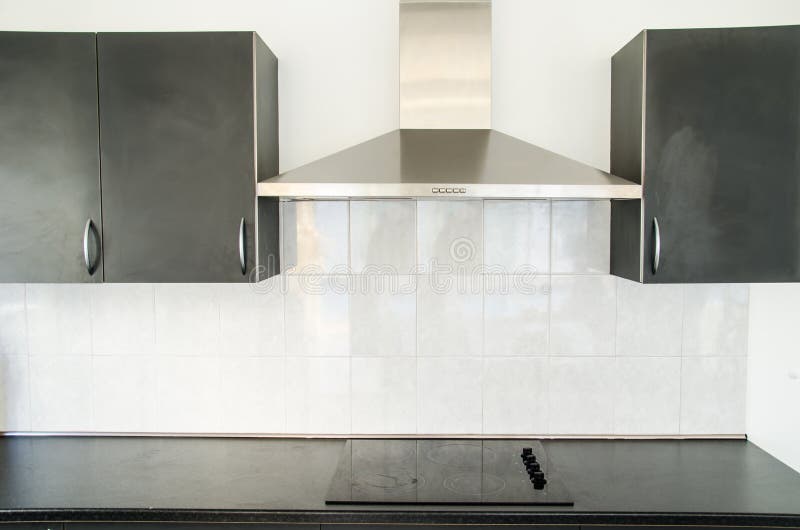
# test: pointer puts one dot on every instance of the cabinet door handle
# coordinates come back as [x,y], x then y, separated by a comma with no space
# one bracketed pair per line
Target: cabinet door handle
[242,252]
[91,265]
[656,245]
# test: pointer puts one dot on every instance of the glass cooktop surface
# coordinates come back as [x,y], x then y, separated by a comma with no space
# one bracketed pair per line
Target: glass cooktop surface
[442,472]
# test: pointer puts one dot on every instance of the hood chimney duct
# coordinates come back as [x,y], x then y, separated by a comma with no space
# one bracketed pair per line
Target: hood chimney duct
[445,64]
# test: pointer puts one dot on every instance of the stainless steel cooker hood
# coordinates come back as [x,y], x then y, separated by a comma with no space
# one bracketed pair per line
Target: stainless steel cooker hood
[445,146]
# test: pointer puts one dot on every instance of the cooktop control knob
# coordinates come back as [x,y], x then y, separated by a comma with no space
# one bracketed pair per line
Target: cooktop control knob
[527,451]
[533,466]
[537,476]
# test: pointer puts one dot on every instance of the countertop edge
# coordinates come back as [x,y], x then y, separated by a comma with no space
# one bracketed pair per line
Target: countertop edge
[410,517]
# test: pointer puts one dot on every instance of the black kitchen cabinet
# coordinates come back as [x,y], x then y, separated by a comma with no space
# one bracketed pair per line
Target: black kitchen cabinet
[708,121]
[188,124]
[50,222]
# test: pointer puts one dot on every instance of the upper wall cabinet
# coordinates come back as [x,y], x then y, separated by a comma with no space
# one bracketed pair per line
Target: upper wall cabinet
[50,221]
[708,121]
[188,125]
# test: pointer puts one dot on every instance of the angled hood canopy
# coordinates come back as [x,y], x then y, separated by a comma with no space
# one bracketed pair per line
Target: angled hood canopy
[446,147]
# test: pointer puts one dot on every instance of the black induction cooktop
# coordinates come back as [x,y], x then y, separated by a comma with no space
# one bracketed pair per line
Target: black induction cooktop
[446,472]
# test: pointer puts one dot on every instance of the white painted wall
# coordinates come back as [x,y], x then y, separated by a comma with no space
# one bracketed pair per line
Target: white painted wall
[773,381]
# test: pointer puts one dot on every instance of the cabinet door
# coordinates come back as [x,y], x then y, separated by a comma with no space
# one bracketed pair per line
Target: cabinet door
[722,171]
[49,167]
[177,151]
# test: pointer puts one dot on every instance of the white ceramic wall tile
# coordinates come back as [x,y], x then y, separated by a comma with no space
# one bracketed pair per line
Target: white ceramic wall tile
[449,396]
[516,315]
[649,319]
[583,315]
[252,395]
[384,395]
[123,319]
[314,237]
[124,393]
[317,316]
[187,319]
[517,235]
[715,319]
[13,333]
[251,318]
[188,394]
[581,237]
[383,233]
[713,395]
[318,395]
[581,395]
[15,413]
[450,234]
[383,312]
[449,315]
[61,393]
[59,319]
[647,395]
[515,396]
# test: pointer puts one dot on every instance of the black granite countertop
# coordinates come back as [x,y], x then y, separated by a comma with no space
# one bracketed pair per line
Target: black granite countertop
[689,482]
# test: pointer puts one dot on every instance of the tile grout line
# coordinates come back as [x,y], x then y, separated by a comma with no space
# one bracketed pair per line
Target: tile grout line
[549,311]
[349,319]
[28,356]
[416,321]
[92,412]
[680,377]
[483,318]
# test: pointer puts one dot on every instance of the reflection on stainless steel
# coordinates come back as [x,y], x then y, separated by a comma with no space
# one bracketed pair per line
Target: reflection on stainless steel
[418,163]
[457,472]
[445,64]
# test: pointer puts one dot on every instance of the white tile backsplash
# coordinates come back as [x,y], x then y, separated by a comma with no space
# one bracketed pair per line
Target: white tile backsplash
[450,234]
[515,318]
[123,328]
[581,395]
[715,319]
[13,328]
[252,391]
[188,394]
[583,315]
[383,234]
[647,395]
[517,236]
[449,395]
[384,395]
[383,312]
[15,401]
[59,319]
[314,237]
[649,319]
[449,312]
[515,395]
[186,319]
[124,393]
[61,392]
[318,395]
[578,352]
[581,237]
[251,318]
[317,317]
[713,395]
